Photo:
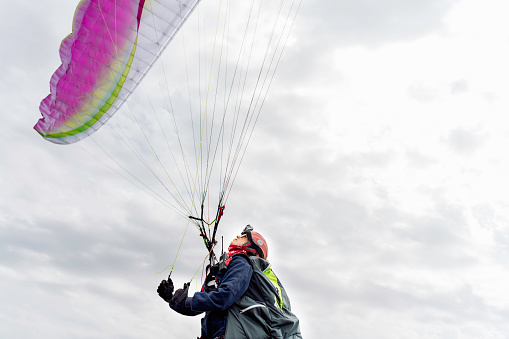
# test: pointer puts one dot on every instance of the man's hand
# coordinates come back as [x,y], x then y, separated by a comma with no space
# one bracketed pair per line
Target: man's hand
[165,289]
[180,295]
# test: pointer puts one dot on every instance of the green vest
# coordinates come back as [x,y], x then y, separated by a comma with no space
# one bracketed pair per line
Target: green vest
[264,311]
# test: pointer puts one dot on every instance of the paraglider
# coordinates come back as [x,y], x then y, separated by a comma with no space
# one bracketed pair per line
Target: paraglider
[113,46]
[241,296]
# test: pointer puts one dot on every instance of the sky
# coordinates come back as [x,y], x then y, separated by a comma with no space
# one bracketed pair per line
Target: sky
[377,172]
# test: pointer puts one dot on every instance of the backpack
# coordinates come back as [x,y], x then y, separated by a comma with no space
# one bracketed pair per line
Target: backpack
[264,311]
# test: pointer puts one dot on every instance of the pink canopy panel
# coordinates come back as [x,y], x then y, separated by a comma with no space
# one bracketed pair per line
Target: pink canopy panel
[113,45]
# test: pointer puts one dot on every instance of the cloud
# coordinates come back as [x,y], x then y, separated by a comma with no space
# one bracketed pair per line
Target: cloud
[466,140]
[372,23]
[459,86]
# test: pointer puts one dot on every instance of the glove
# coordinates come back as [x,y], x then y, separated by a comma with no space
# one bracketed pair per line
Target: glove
[180,295]
[165,289]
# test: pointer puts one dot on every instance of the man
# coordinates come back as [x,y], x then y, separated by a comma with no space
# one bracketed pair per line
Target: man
[241,296]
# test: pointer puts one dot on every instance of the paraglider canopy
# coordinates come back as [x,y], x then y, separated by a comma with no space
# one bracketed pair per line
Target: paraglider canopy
[113,45]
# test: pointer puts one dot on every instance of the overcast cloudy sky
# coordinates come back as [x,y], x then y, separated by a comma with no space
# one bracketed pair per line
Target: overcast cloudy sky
[377,172]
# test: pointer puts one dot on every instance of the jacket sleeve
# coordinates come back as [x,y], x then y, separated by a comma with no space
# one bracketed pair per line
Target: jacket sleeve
[184,310]
[233,285]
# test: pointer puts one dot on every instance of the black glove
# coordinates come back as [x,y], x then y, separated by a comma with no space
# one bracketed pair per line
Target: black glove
[165,289]
[180,295]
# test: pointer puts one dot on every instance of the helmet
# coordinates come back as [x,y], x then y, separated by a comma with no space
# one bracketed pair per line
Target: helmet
[256,242]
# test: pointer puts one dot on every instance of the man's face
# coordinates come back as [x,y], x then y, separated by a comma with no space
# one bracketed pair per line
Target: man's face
[239,240]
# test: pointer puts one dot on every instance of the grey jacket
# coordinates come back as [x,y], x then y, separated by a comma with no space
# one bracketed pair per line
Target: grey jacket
[264,311]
